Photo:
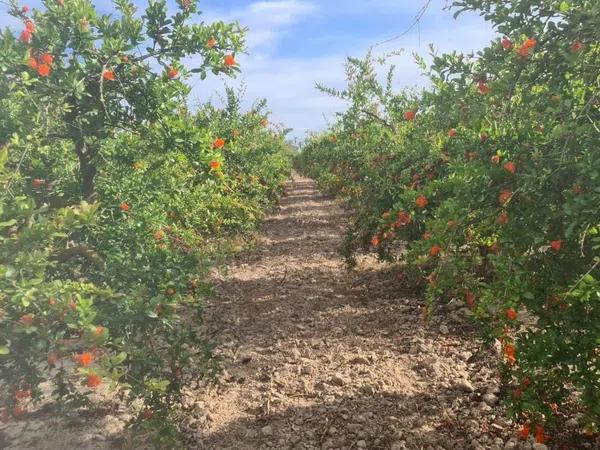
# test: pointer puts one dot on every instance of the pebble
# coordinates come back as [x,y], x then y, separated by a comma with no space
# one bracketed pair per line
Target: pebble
[444,329]
[538,446]
[361,444]
[267,430]
[337,380]
[465,385]
[490,399]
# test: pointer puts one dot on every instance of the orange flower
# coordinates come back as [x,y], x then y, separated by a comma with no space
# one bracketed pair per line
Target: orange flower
[511,314]
[99,330]
[410,115]
[44,70]
[435,250]
[524,432]
[506,43]
[375,241]
[53,358]
[540,436]
[93,380]
[523,52]
[52,301]
[510,167]
[229,60]
[505,196]
[510,354]
[483,87]
[124,207]
[452,133]
[211,43]
[32,62]
[30,26]
[172,73]
[496,159]
[47,58]
[108,75]
[26,320]
[421,201]
[73,306]
[37,183]
[502,218]
[264,123]
[530,43]
[159,235]
[215,165]
[21,395]
[556,245]
[84,359]
[218,143]
[25,36]
[576,47]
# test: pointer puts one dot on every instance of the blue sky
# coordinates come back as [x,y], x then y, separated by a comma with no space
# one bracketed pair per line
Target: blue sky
[294,43]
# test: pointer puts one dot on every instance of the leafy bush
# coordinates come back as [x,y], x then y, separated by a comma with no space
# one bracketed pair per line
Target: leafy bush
[490,178]
[115,201]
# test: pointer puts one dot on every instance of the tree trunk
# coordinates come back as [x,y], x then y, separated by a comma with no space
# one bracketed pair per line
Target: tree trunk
[87,168]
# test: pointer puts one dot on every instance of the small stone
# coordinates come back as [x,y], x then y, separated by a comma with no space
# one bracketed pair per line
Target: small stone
[337,380]
[490,399]
[465,385]
[444,329]
[306,370]
[361,444]
[538,446]
[360,360]
[510,444]
[267,430]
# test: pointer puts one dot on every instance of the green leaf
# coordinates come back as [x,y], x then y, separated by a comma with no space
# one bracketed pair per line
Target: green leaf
[4,350]
[564,6]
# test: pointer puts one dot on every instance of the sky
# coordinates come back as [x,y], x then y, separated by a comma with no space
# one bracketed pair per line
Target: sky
[292,44]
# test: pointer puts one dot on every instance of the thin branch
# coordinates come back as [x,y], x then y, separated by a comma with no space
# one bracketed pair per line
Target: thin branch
[416,22]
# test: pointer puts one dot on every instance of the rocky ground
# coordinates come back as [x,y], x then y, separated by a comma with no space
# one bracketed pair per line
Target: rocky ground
[316,357]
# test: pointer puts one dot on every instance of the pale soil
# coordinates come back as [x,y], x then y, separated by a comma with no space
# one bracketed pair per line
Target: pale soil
[316,357]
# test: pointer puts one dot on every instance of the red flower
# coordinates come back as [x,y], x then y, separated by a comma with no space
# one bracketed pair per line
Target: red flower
[26,319]
[556,245]
[44,70]
[229,60]
[21,395]
[435,250]
[452,132]
[505,196]
[124,207]
[25,9]
[421,201]
[483,87]
[93,380]
[511,314]
[483,136]
[506,43]
[37,183]
[215,165]
[403,219]
[530,43]
[108,75]
[218,143]
[470,299]
[25,36]
[172,73]
[47,58]
[32,62]
[53,358]
[211,43]
[502,218]
[410,115]
[576,47]
[510,167]
[84,359]
[540,437]
[524,432]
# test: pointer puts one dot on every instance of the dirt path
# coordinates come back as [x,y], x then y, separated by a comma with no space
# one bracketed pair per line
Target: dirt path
[316,357]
